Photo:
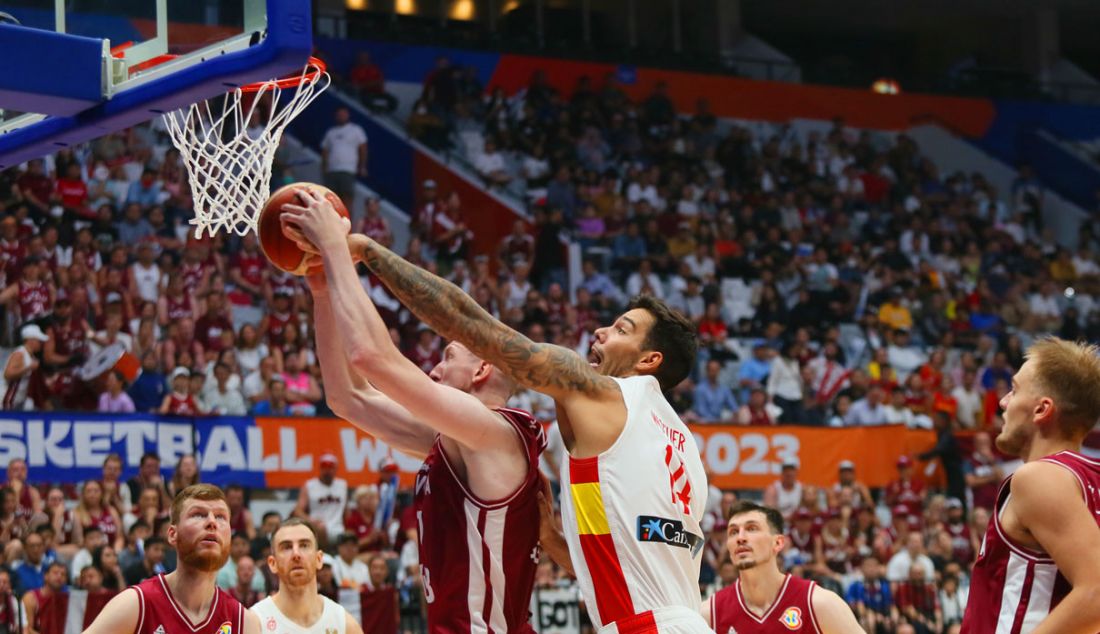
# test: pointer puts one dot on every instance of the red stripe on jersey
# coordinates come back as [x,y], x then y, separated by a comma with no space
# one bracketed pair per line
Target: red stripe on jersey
[612,595]
[584,470]
[643,623]
[1025,599]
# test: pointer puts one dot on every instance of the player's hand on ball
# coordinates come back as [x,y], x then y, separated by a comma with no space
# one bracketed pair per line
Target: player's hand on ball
[317,221]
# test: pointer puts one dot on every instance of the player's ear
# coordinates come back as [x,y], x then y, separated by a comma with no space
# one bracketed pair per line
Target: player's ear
[1044,409]
[271,565]
[172,535]
[650,361]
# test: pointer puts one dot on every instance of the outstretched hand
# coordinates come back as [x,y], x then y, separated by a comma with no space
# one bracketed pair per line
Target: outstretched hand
[314,224]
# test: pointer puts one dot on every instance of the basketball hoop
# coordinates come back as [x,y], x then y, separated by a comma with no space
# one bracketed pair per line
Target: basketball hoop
[228,163]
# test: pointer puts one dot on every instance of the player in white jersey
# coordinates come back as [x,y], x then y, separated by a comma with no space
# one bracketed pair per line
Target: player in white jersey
[297,608]
[634,488]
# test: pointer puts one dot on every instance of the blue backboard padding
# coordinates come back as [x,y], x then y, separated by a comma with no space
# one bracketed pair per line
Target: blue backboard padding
[404,63]
[285,50]
[118,28]
[50,73]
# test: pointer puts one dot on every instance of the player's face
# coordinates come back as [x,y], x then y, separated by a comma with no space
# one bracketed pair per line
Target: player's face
[294,557]
[750,540]
[618,348]
[1018,407]
[458,368]
[202,536]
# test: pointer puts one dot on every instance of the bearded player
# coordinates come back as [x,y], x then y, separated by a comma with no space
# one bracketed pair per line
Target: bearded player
[763,600]
[1038,569]
[297,608]
[633,462]
[475,496]
[186,599]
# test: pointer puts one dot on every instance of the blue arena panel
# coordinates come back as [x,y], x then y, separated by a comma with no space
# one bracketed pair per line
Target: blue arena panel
[50,73]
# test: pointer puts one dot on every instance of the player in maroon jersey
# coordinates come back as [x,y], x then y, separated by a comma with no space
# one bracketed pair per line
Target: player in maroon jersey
[1038,568]
[479,482]
[186,599]
[763,600]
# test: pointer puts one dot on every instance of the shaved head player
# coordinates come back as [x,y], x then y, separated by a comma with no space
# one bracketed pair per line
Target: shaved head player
[186,599]
[297,608]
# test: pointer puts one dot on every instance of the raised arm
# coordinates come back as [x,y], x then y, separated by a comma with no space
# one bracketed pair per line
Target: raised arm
[553,370]
[371,352]
[351,397]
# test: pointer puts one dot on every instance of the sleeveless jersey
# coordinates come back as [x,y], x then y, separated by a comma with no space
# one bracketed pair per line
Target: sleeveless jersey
[105,522]
[159,613]
[631,514]
[34,300]
[908,493]
[182,406]
[179,306]
[1013,588]
[328,501]
[478,558]
[273,621]
[16,396]
[193,275]
[251,267]
[147,281]
[276,324]
[788,501]
[792,610]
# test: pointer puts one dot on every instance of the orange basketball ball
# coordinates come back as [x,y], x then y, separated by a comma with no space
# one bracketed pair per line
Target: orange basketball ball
[281,250]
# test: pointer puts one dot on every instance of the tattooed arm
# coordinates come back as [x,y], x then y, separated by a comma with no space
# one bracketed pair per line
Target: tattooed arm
[579,390]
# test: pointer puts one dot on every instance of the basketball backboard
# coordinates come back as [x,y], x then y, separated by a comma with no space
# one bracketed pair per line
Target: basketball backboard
[78,69]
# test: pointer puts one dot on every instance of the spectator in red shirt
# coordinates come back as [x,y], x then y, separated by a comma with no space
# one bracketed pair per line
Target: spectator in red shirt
[917,601]
[36,186]
[73,192]
[359,520]
[906,490]
[370,84]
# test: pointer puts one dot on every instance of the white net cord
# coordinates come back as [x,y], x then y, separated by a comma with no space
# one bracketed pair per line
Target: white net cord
[229,164]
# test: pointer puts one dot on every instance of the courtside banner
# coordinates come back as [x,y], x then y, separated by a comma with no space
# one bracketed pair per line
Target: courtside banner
[284,452]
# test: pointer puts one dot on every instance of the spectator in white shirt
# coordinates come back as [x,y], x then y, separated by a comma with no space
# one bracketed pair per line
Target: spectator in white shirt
[221,398]
[897,411]
[969,400]
[344,156]
[490,164]
[913,553]
[645,279]
[701,263]
[904,357]
[784,385]
[347,569]
[868,410]
[1044,312]
[690,301]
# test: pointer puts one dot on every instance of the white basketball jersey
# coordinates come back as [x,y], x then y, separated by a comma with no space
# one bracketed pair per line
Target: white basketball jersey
[328,502]
[631,515]
[273,621]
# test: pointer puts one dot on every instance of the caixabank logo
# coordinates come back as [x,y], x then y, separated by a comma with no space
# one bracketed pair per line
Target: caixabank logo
[666,531]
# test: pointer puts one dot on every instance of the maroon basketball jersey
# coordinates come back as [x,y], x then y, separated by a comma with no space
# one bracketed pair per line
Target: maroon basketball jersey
[910,493]
[252,266]
[478,559]
[179,307]
[792,610]
[159,613]
[1016,586]
[193,273]
[34,300]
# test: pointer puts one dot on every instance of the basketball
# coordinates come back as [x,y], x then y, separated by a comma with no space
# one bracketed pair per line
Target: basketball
[281,250]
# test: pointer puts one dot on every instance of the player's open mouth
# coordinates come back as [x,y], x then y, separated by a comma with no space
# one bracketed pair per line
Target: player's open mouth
[594,357]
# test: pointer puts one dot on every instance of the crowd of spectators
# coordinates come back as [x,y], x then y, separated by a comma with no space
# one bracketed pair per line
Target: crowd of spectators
[836,277]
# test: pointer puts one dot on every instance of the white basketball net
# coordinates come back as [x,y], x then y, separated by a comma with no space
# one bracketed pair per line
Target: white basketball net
[229,165]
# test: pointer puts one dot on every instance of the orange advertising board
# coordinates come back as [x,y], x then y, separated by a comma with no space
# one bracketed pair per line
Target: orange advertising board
[736,457]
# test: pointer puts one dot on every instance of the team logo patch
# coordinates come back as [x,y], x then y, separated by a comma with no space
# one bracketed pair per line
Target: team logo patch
[226,628]
[792,619]
[666,531]
[271,624]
